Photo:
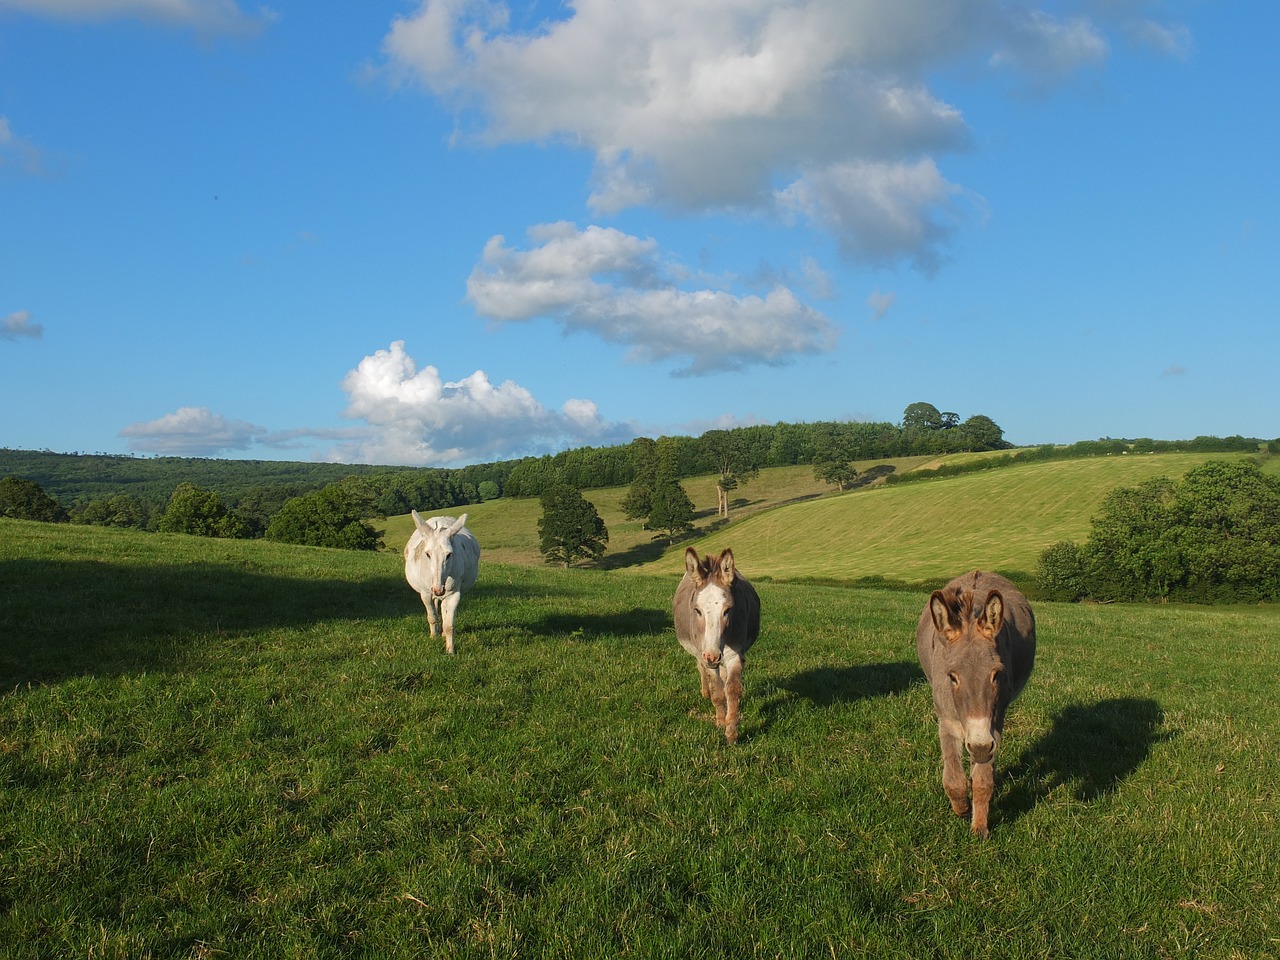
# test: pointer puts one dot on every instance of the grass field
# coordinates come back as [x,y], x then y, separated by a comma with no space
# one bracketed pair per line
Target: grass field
[225,749]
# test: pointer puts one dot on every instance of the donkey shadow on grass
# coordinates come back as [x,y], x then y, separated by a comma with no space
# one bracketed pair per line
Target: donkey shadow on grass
[1091,748]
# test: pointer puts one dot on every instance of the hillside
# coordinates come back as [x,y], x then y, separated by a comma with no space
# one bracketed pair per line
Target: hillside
[787,526]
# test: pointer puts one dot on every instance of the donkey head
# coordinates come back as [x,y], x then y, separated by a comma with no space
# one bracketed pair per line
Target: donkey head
[712,600]
[975,672]
[435,551]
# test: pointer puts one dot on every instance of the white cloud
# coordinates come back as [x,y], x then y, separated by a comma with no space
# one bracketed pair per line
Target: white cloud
[416,417]
[18,324]
[192,432]
[614,285]
[713,106]
[204,16]
[881,212]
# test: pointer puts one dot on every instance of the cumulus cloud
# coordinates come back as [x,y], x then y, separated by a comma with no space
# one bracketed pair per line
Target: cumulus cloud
[620,288]
[414,416]
[192,432]
[204,16]
[744,104]
[18,325]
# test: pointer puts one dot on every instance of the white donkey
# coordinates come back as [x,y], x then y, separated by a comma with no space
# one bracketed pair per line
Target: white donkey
[441,560]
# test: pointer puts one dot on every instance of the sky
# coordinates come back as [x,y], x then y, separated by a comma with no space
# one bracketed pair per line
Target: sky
[460,231]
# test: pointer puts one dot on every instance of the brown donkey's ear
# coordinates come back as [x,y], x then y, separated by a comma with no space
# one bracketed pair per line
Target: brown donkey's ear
[944,617]
[691,563]
[726,566]
[993,614]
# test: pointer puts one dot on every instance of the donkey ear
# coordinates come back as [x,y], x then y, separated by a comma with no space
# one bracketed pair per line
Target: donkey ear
[726,566]
[942,615]
[691,563]
[417,520]
[993,613]
[458,524]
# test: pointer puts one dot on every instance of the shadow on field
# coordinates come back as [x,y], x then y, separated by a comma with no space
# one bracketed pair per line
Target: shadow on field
[1092,748]
[825,686]
[63,618]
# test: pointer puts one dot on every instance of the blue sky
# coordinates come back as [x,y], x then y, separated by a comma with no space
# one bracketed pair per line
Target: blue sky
[451,232]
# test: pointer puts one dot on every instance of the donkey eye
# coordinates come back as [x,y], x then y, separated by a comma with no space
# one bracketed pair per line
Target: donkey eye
[955,681]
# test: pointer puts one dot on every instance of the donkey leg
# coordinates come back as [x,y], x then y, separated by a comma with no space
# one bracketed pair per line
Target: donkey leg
[715,690]
[984,785]
[733,698]
[433,615]
[448,608]
[954,780]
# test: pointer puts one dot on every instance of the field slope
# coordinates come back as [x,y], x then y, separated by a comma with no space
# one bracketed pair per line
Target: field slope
[786,525]
[1000,519]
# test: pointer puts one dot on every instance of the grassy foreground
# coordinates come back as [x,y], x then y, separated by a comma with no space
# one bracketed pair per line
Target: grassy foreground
[215,749]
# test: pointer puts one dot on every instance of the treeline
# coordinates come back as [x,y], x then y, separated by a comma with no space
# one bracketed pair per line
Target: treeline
[74,479]
[924,431]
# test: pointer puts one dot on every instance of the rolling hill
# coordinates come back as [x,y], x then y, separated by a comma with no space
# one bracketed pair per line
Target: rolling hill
[787,526]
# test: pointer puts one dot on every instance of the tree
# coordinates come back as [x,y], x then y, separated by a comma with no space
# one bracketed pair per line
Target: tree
[570,528]
[671,510]
[840,473]
[639,498]
[201,513]
[327,518]
[982,433]
[121,510]
[26,500]
[732,459]
[921,417]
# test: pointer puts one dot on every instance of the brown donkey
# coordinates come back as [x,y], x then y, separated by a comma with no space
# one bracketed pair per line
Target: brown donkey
[717,614]
[977,644]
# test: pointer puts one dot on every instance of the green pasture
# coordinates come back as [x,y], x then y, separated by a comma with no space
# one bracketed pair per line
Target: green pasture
[250,750]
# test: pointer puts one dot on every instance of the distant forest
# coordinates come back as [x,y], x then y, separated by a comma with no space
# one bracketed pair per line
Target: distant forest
[137,491]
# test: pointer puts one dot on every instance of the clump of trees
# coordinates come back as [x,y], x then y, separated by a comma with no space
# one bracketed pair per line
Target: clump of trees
[570,527]
[22,499]
[656,495]
[331,517]
[202,513]
[1211,537]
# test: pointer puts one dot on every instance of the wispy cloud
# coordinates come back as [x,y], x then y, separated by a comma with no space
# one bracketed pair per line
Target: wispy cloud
[192,432]
[18,325]
[622,289]
[204,16]
[881,303]
[19,153]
